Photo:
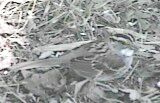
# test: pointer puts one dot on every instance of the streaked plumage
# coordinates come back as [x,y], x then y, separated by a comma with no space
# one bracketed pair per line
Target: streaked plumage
[116,52]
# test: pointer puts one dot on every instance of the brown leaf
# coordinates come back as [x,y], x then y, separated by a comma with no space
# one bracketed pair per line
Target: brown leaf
[96,94]
[79,86]
[61,47]
[38,83]
[157,56]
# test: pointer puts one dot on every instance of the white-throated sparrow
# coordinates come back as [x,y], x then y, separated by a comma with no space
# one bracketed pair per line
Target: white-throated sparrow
[104,52]
[111,54]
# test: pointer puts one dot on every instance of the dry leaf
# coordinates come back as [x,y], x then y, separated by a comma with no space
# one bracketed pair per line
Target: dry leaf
[110,16]
[5,28]
[53,100]
[157,56]
[50,80]
[79,86]
[47,8]
[133,94]
[144,24]
[68,101]
[96,94]
[61,47]
[31,24]
[33,85]
[45,54]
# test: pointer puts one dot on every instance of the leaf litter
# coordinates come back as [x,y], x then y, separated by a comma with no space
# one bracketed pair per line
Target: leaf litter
[47,46]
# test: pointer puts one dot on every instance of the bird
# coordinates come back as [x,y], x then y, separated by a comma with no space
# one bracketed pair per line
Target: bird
[109,54]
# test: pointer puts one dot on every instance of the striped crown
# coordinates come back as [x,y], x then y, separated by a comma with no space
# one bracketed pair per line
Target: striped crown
[123,41]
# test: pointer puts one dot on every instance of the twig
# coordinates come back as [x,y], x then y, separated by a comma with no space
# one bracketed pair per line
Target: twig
[128,76]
